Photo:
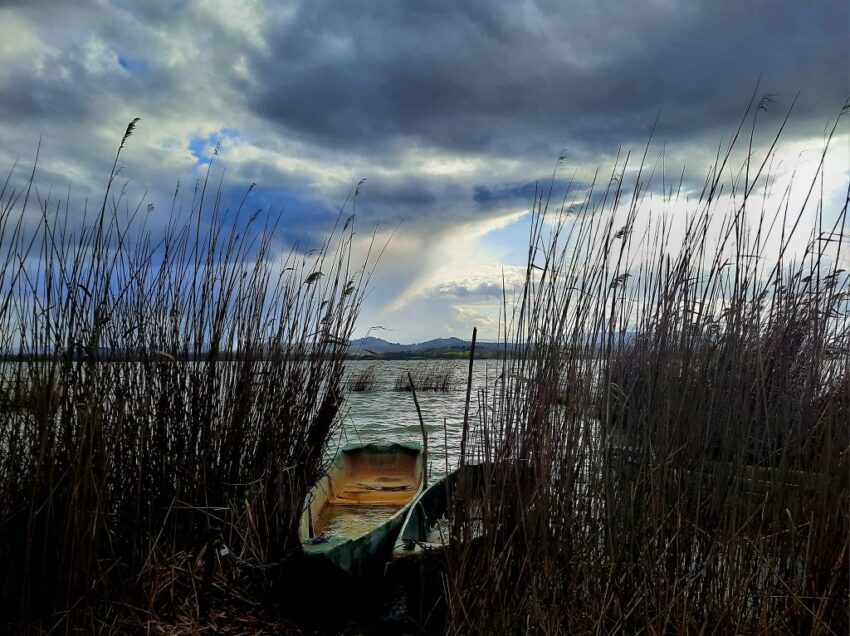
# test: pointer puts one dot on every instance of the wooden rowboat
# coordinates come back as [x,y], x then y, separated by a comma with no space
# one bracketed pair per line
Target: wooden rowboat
[428,526]
[352,516]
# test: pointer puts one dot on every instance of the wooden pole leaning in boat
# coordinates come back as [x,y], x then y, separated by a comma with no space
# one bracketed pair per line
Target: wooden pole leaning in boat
[424,432]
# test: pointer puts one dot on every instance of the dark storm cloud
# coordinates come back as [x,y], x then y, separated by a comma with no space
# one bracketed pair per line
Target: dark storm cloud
[510,77]
[485,195]
[525,192]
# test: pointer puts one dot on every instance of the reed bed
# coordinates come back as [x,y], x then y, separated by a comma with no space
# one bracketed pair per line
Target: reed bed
[171,379]
[427,377]
[364,379]
[694,476]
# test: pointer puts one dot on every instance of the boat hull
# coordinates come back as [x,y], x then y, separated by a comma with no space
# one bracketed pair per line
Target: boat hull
[419,555]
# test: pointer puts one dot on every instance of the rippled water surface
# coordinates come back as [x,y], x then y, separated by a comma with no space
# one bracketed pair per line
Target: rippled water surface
[386,415]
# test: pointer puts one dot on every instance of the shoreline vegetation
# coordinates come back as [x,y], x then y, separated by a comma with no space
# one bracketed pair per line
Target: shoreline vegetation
[120,483]
[666,441]
[700,480]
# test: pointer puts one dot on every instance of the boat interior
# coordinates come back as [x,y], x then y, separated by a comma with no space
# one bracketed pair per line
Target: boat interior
[363,488]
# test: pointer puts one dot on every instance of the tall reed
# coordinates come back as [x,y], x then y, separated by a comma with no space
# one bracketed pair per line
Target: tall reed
[426,377]
[693,475]
[182,375]
[365,379]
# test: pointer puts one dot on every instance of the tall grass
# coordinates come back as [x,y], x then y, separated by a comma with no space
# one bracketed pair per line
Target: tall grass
[365,379]
[172,380]
[694,475]
[426,377]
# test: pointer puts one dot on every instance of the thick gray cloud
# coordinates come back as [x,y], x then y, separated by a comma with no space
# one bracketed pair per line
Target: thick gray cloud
[530,77]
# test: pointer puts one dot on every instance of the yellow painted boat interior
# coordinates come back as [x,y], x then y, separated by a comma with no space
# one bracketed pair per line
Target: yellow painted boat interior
[361,491]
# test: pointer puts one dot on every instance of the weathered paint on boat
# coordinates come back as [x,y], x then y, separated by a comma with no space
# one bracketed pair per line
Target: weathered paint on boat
[358,507]
[424,528]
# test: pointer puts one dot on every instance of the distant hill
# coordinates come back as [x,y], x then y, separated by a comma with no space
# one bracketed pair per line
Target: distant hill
[375,345]
[436,348]
[372,347]
[369,347]
[441,343]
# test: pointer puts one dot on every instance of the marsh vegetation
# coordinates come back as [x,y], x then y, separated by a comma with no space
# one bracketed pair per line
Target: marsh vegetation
[121,483]
[667,434]
[697,477]
[433,376]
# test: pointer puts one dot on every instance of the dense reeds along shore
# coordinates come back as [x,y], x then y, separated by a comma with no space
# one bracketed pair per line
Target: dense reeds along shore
[433,376]
[694,476]
[121,482]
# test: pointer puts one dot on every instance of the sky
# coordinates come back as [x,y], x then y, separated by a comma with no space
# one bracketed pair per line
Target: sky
[452,111]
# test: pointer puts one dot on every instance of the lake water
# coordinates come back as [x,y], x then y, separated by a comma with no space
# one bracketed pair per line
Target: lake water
[384,414]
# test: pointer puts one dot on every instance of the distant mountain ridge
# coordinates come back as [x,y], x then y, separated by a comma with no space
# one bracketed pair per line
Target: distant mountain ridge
[372,347]
[364,347]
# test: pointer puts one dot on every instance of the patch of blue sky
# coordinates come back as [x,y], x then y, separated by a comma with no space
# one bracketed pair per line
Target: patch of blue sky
[203,148]
[510,241]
